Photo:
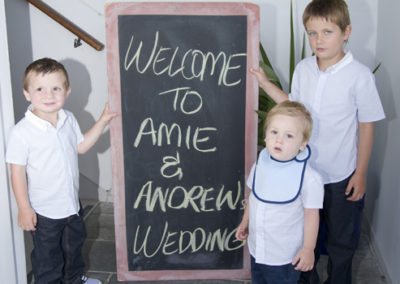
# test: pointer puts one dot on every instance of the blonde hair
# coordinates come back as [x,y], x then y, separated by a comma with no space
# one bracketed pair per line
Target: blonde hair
[44,66]
[335,11]
[292,109]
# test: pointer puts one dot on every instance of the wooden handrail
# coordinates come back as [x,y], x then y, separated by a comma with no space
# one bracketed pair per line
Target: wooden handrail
[81,34]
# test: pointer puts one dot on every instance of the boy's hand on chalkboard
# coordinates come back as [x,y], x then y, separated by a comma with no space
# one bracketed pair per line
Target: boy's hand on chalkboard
[93,134]
[260,75]
[242,231]
[107,115]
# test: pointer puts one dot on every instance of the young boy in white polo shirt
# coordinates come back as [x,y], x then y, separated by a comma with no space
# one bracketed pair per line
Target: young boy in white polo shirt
[342,97]
[281,218]
[43,156]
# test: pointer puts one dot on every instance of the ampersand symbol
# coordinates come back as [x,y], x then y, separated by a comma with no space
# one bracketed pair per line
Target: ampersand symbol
[171,161]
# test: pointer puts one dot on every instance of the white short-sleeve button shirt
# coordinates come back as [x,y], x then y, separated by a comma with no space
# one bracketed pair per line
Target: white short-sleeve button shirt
[276,230]
[338,99]
[51,159]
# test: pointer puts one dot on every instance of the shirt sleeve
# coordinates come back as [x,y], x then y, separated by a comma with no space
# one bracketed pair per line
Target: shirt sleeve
[76,129]
[250,178]
[294,94]
[17,149]
[369,105]
[313,190]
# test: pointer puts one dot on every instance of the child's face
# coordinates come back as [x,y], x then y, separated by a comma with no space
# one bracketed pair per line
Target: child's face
[326,41]
[284,137]
[47,93]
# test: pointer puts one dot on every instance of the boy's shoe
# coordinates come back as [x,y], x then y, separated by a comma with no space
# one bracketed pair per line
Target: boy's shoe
[87,280]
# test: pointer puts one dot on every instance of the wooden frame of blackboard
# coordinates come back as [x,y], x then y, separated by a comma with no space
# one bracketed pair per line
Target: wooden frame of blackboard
[113,11]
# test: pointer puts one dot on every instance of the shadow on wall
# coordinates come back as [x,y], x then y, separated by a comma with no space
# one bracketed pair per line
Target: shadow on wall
[361,14]
[379,152]
[81,88]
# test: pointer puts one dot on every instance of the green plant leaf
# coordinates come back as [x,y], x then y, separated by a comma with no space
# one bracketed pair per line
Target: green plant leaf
[303,47]
[264,57]
[271,74]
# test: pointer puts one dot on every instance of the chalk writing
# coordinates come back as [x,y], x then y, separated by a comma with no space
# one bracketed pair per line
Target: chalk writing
[186,95]
[161,135]
[182,198]
[197,198]
[179,242]
[171,162]
[194,64]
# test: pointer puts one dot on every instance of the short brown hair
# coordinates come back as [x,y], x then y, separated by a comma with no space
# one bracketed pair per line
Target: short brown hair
[44,66]
[335,11]
[292,109]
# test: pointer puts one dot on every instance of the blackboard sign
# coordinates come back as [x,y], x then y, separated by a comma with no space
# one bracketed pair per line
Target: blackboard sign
[186,137]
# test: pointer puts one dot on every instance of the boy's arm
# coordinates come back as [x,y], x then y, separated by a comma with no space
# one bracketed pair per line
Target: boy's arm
[276,94]
[304,260]
[357,184]
[26,215]
[242,231]
[93,134]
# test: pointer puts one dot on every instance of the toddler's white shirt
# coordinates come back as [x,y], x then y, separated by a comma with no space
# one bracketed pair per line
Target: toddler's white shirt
[51,159]
[276,230]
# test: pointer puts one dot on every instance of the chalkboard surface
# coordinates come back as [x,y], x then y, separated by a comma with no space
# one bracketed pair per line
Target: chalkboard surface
[183,96]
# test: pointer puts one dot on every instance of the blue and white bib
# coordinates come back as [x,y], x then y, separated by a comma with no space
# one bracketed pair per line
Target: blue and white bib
[277,181]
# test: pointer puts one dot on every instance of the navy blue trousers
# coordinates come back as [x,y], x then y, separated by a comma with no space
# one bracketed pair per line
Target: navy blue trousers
[341,220]
[268,274]
[57,250]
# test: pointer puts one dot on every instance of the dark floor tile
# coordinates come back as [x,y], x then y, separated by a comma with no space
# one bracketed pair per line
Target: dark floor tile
[100,227]
[104,208]
[100,256]
[115,281]
[367,269]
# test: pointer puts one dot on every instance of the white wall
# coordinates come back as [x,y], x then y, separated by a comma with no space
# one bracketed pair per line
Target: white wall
[383,208]
[12,256]
[374,39]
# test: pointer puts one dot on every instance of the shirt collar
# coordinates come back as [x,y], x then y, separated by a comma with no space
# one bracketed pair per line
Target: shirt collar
[41,123]
[348,58]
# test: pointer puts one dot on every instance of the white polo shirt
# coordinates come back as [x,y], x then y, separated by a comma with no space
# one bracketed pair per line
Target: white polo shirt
[51,159]
[338,99]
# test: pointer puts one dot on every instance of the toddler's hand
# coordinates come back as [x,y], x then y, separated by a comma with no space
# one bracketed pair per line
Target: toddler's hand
[304,260]
[27,219]
[107,115]
[242,232]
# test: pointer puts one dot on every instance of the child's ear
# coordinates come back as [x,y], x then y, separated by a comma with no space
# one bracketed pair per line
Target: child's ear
[347,33]
[68,92]
[303,146]
[27,95]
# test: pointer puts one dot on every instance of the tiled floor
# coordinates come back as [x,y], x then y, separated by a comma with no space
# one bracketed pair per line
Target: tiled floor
[100,253]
